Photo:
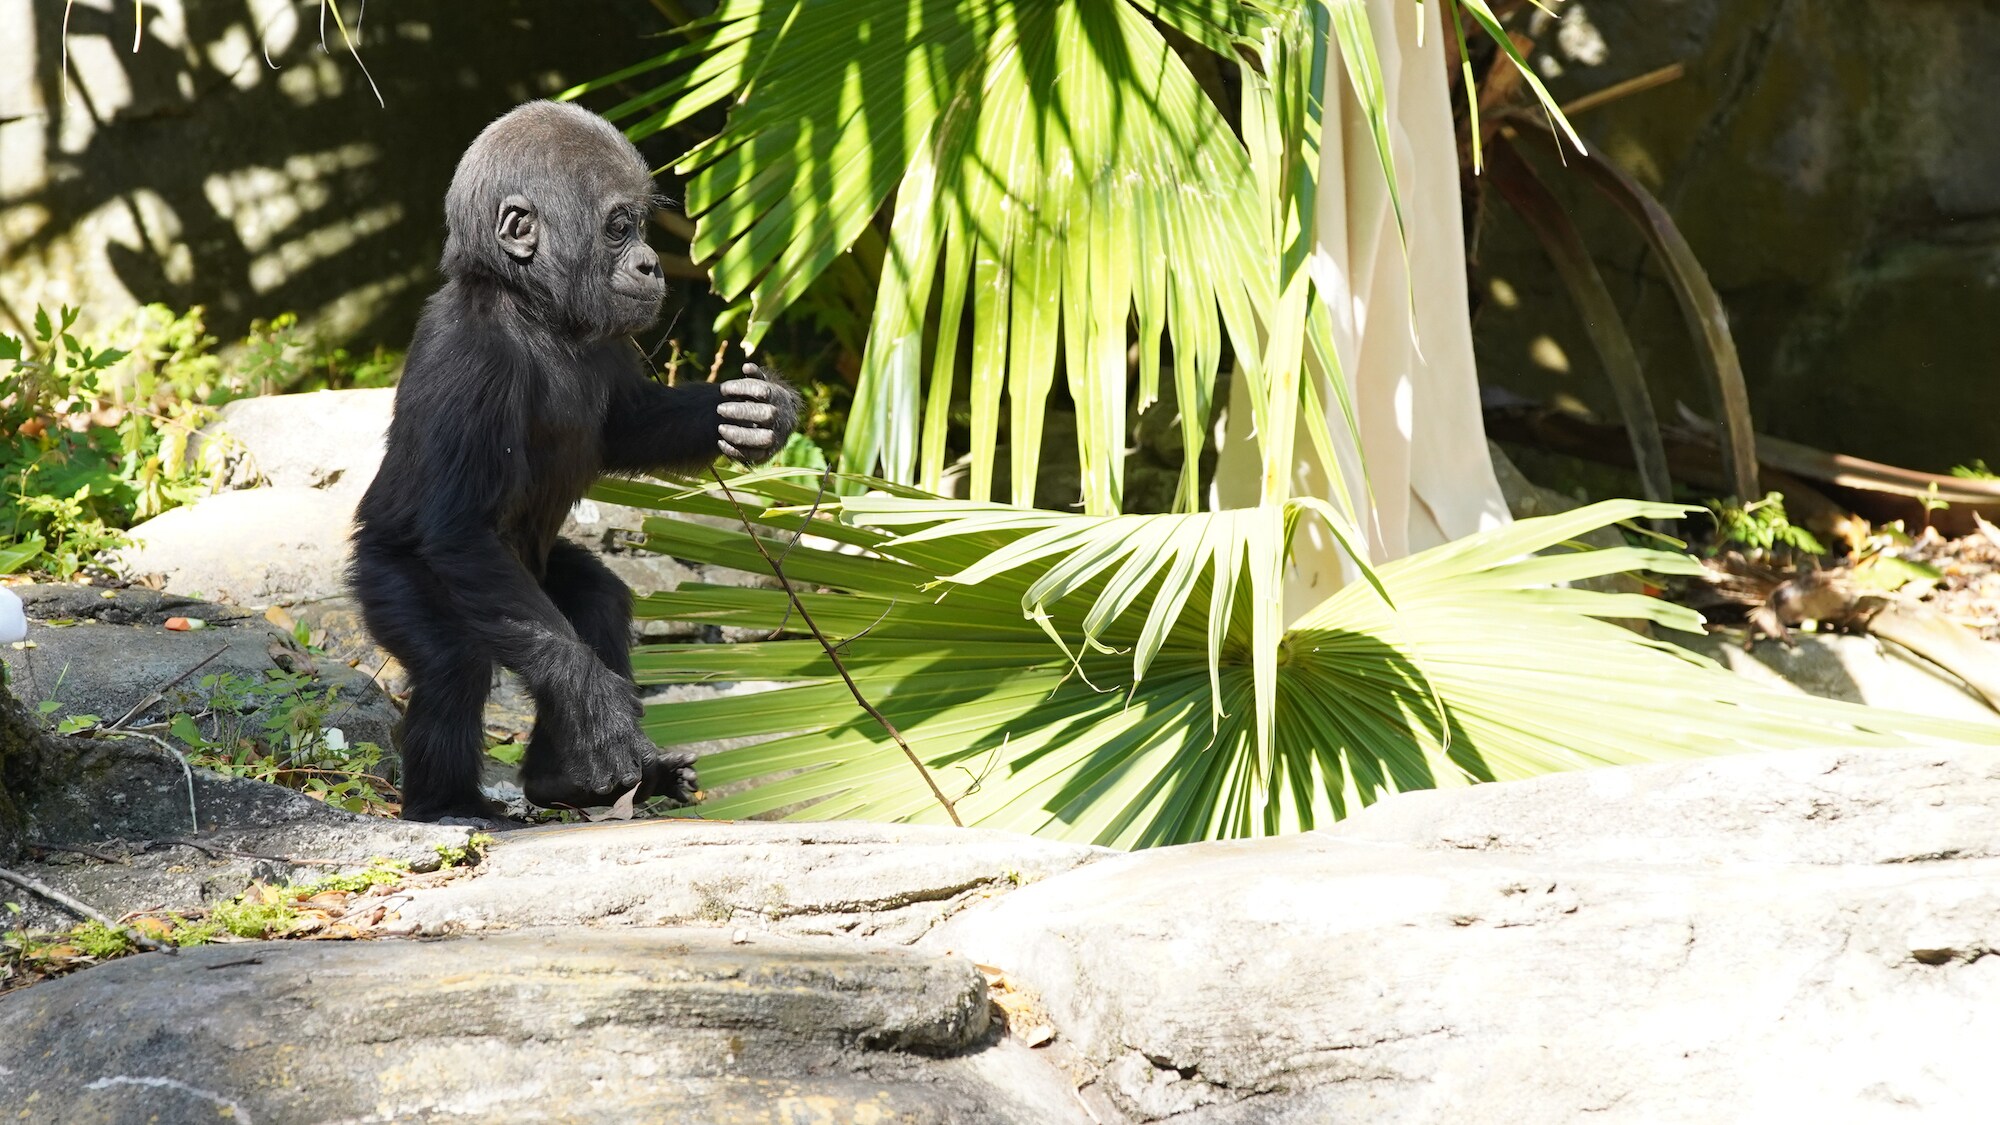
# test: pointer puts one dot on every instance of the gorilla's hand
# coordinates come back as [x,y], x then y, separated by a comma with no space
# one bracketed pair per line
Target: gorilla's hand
[756,417]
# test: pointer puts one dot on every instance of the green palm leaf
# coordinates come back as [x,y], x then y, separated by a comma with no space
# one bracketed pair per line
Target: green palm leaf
[1141,724]
[1062,186]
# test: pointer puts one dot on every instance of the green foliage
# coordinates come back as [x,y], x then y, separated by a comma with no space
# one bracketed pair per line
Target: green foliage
[184,933]
[101,941]
[71,536]
[1099,679]
[1975,470]
[94,439]
[58,471]
[281,728]
[1761,526]
[1057,187]
[463,855]
[279,357]
[255,916]
[379,873]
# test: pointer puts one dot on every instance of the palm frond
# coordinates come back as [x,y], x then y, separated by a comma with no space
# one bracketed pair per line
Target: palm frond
[1140,723]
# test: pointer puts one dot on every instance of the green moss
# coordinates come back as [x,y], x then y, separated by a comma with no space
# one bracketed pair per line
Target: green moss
[252,919]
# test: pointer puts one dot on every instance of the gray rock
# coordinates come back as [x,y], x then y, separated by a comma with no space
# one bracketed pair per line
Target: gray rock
[1852,668]
[329,440]
[1798,936]
[116,651]
[111,822]
[255,547]
[1838,200]
[669,1025]
[872,880]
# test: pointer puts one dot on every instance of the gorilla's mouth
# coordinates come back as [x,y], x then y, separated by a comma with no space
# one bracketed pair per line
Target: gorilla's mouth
[641,293]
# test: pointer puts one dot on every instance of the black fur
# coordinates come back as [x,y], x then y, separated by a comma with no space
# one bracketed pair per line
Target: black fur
[522,387]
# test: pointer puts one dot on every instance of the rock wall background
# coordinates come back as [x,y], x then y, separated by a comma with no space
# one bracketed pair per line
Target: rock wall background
[194,172]
[1836,166]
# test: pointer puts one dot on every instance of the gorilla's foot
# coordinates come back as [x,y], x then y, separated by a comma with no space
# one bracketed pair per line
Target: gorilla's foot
[668,775]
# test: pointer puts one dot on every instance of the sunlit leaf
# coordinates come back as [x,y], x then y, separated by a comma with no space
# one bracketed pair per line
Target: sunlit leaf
[1479,666]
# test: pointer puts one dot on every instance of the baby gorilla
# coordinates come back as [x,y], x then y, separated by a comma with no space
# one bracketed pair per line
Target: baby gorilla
[521,388]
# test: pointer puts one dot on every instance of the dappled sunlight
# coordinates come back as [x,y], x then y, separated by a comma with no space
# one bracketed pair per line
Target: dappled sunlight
[231,162]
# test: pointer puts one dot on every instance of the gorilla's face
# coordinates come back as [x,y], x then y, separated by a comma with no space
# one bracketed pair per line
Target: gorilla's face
[552,201]
[636,284]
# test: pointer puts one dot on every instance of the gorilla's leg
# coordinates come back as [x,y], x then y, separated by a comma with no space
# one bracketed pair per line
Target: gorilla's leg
[597,604]
[441,738]
[599,608]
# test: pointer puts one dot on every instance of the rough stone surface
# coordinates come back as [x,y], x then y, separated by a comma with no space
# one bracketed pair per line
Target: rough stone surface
[1842,201]
[865,880]
[329,440]
[1797,936]
[1809,935]
[1849,667]
[190,172]
[664,1025]
[130,802]
[116,651]
[254,547]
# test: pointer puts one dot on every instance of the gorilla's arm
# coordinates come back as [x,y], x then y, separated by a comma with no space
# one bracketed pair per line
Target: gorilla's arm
[682,428]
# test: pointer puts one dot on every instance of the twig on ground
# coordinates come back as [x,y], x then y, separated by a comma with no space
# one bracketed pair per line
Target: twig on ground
[160,693]
[219,852]
[82,910]
[187,770]
[93,853]
[832,655]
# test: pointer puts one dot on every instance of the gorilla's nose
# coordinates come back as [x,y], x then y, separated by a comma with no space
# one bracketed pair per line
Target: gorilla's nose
[649,265]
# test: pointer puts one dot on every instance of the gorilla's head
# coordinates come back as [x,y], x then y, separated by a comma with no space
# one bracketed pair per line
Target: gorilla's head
[551,201]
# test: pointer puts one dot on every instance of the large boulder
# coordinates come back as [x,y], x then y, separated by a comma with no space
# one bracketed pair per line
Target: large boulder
[1807,935]
[256,547]
[571,1026]
[866,880]
[1798,936]
[328,440]
[102,652]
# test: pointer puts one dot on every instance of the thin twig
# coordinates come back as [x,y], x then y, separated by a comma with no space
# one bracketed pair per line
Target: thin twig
[833,656]
[797,535]
[82,910]
[217,851]
[93,853]
[194,816]
[870,627]
[160,693]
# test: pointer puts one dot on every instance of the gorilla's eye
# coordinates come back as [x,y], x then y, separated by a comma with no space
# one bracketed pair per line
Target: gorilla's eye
[619,227]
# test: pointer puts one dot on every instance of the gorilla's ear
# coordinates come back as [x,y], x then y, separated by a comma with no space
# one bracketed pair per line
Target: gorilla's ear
[519,228]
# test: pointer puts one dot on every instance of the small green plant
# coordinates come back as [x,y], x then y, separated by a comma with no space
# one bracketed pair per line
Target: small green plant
[260,912]
[279,357]
[101,941]
[1974,470]
[96,438]
[72,536]
[280,728]
[380,872]
[1761,527]
[463,855]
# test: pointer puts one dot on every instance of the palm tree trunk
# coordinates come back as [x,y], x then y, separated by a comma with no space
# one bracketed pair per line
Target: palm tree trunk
[1403,331]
